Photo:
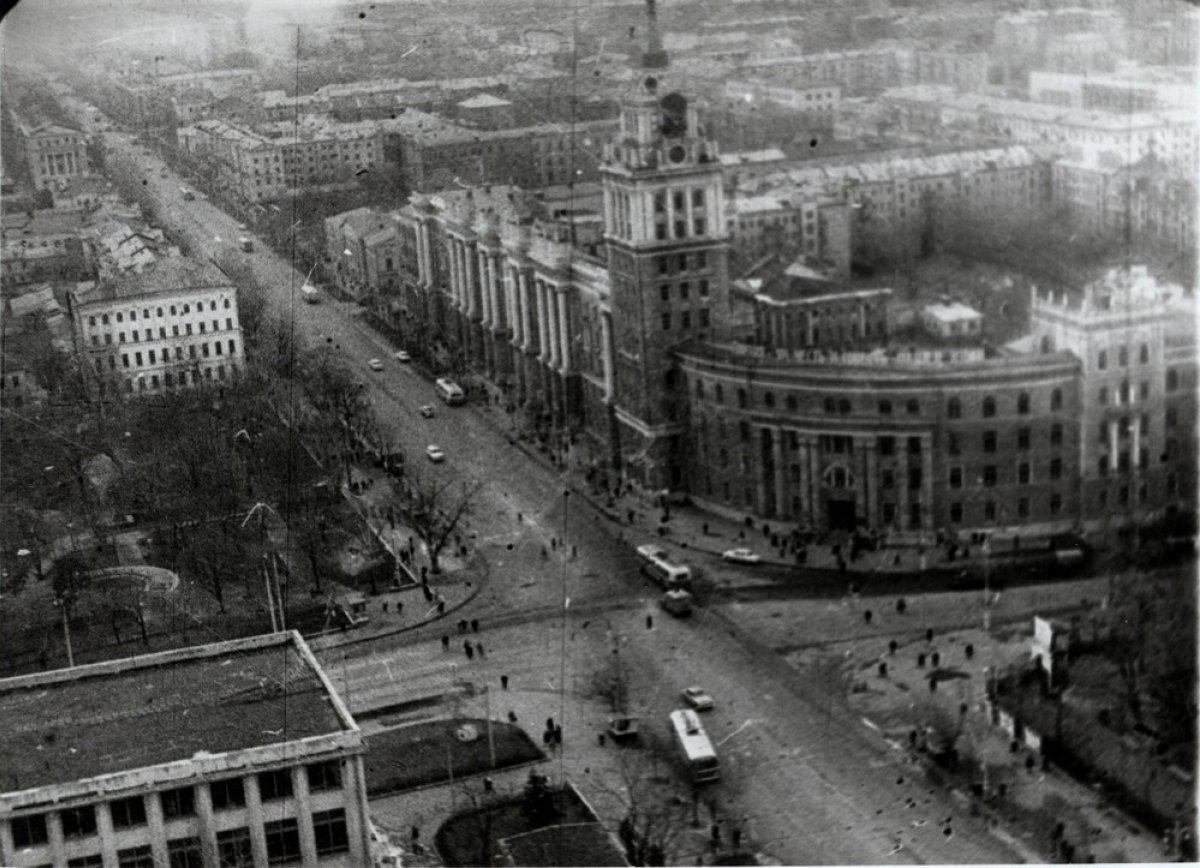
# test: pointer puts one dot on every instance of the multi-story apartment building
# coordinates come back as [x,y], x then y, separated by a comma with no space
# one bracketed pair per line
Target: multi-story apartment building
[820,415]
[235,753]
[858,72]
[1131,89]
[44,245]
[965,71]
[171,325]
[1051,39]
[933,111]
[51,152]
[362,252]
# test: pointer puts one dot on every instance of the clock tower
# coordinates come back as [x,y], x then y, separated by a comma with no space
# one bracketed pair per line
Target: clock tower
[664,220]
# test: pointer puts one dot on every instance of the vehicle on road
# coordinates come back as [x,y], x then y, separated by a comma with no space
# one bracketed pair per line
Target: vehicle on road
[427,411]
[310,293]
[246,244]
[402,356]
[741,556]
[241,227]
[375,365]
[697,698]
[656,565]
[435,454]
[187,194]
[677,603]
[450,392]
[697,751]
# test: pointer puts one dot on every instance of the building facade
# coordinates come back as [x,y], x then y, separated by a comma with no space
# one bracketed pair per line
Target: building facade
[267,770]
[52,153]
[172,326]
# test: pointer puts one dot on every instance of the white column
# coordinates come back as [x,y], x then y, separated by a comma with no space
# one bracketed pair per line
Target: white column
[1113,444]
[452,248]
[564,330]
[543,331]
[308,842]
[552,323]
[422,263]
[1137,442]
[495,272]
[525,301]
[781,506]
[427,249]
[472,269]
[606,354]
[481,269]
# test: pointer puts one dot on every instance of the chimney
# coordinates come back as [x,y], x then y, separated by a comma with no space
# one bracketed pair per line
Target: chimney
[655,56]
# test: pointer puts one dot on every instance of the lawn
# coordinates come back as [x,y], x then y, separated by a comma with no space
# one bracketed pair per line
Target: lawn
[433,753]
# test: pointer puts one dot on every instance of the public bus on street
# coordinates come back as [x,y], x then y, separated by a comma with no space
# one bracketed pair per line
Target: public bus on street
[656,565]
[698,753]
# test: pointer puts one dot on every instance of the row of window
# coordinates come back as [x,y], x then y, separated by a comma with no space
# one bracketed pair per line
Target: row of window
[158,312]
[152,356]
[135,335]
[685,319]
[834,444]
[991,512]
[234,848]
[678,262]
[684,291]
[912,406]
[31,830]
[1123,356]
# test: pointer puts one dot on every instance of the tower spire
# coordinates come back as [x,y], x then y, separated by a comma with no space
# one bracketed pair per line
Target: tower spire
[655,56]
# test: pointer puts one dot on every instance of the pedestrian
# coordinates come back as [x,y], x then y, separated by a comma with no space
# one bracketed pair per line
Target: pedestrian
[546,737]
[649,622]
[549,723]
[504,682]
[479,649]
[445,642]
[512,717]
[474,625]
[441,607]
[558,734]
[468,650]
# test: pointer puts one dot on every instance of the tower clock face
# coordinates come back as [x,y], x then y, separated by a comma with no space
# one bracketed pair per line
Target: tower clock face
[677,154]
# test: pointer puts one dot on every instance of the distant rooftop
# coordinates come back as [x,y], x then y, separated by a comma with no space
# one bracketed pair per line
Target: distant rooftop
[953,312]
[77,724]
[484,100]
[166,275]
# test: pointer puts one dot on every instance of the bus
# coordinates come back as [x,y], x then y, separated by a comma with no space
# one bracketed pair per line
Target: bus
[697,751]
[310,293]
[450,392]
[656,565]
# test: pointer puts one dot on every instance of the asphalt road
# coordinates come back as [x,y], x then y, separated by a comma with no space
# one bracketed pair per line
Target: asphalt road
[819,786]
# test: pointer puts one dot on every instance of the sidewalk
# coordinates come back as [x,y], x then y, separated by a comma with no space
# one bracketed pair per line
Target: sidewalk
[406,605]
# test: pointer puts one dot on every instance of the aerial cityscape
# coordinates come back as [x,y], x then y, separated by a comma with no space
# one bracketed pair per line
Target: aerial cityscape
[622,432]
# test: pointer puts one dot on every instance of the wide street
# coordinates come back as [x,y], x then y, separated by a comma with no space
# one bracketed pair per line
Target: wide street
[817,784]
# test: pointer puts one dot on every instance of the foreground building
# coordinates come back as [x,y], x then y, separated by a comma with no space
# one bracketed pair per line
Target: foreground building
[235,753]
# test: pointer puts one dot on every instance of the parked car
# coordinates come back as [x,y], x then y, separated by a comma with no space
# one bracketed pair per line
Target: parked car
[375,365]
[427,411]
[435,454]
[741,556]
[402,356]
[698,698]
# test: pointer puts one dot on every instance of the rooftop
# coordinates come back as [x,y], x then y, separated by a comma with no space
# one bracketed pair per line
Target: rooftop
[166,275]
[484,100]
[77,724]
[953,312]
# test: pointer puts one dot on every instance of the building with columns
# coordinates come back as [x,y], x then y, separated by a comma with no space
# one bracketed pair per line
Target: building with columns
[52,152]
[814,411]
[234,753]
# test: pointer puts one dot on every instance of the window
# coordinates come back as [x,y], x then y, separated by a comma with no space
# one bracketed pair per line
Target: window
[664,292]
[720,394]
[743,401]
[684,289]
[769,399]
[78,822]
[329,829]
[913,407]
[1125,392]
[1023,403]
[185,853]
[1056,434]
[885,408]
[1102,360]
[989,510]
[989,407]
[283,841]
[956,512]
[887,445]
[953,447]
[29,831]
[275,784]
[704,317]
[128,812]
[954,408]
[887,480]
[1144,354]
[1023,473]
[666,326]
[234,850]
[989,441]
[1055,504]
[92,860]
[1023,438]
[685,320]
[889,513]
[956,477]
[136,857]
[844,406]
[1172,379]
[1056,467]
[914,478]
[125,360]
[228,793]
[178,803]
[830,405]
[325,776]
[1122,357]
[989,475]
[1056,399]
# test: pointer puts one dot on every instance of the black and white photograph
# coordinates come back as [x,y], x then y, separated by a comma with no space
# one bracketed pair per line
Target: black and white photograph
[547,433]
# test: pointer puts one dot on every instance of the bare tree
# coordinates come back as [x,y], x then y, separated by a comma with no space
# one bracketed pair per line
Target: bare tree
[656,817]
[436,509]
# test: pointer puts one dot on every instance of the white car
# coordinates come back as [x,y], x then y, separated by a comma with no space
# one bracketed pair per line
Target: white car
[427,411]
[242,227]
[435,454]
[698,698]
[375,365]
[402,356]
[741,556]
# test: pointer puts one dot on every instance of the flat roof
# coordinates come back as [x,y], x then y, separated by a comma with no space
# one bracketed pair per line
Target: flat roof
[76,724]
[955,312]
